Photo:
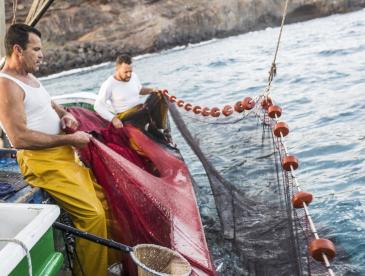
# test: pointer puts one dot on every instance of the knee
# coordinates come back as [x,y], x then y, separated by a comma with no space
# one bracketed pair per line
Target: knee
[95,213]
[99,213]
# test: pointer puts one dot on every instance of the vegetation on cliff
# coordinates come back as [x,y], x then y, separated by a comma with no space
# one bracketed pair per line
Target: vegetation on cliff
[79,33]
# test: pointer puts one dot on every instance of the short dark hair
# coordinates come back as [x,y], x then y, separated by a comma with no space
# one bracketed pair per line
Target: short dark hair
[124,58]
[18,34]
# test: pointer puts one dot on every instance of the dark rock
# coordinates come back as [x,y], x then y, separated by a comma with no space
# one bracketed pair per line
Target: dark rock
[150,1]
[96,31]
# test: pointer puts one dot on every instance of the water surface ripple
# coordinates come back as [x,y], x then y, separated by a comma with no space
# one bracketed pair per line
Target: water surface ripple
[321,87]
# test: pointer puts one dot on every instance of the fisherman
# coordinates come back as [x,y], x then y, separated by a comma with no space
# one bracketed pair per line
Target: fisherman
[46,157]
[119,101]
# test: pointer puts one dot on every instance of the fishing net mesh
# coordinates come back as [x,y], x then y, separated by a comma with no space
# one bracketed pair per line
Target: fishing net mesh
[252,193]
[154,206]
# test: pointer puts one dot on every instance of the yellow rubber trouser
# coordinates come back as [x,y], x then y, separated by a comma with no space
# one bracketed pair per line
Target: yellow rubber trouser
[155,108]
[75,190]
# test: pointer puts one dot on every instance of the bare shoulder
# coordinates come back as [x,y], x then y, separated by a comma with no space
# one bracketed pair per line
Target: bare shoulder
[10,90]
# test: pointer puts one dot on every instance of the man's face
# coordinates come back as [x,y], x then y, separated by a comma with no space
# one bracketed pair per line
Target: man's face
[124,72]
[32,56]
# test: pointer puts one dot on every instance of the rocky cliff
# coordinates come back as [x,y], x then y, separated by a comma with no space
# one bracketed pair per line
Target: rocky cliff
[78,33]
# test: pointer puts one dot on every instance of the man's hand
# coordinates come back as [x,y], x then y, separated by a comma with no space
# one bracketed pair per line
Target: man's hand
[117,123]
[79,139]
[69,122]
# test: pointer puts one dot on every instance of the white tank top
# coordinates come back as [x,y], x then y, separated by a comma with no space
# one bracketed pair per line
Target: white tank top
[39,113]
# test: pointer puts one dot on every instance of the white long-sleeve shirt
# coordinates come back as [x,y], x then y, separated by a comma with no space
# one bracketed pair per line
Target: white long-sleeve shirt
[117,96]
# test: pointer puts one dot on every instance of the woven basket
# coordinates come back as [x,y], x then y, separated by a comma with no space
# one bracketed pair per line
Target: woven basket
[161,261]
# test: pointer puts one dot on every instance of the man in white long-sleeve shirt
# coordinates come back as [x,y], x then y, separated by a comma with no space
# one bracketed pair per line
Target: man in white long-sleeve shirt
[119,100]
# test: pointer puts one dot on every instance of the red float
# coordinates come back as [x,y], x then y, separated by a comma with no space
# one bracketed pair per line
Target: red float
[172,99]
[266,102]
[188,107]
[197,109]
[274,111]
[281,128]
[215,112]
[322,246]
[180,103]
[238,107]
[248,103]
[227,110]
[290,161]
[301,197]
[206,111]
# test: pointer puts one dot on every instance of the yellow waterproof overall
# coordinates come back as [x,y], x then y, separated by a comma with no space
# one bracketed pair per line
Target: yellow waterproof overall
[155,108]
[73,187]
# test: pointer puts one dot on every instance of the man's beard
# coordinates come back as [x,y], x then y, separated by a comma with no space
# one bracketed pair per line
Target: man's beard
[33,69]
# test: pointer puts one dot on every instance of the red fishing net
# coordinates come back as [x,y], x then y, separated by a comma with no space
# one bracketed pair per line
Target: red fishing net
[150,195]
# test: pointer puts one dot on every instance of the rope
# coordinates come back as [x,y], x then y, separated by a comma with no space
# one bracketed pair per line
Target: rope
[26,252]
[244,115]
[44,5]
[33,10]
[272,72]
[15,7]
[296,187]
[273,68]
[195,118]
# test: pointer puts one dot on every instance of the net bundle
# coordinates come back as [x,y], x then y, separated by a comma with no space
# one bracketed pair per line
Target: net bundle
[253,185]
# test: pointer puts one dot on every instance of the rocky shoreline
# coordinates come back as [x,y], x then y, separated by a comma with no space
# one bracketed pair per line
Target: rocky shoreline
[79,33]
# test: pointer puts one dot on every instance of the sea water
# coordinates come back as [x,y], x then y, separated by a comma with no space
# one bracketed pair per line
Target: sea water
[320,85]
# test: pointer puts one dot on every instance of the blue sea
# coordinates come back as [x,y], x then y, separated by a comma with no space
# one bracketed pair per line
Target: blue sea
[320,85]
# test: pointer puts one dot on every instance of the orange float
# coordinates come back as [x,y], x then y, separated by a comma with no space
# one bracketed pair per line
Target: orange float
[180,103]
[205,111]
[248,103]
[165,92]
[281,128]
[227,110]
[266,102]
[322,246]
[274,111]
[290,161]
[301,197]
[188,107]
[172,99]
[215,112]
[197,109]
[238,107]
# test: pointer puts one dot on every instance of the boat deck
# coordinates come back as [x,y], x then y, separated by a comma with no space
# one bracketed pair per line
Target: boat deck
[13,188]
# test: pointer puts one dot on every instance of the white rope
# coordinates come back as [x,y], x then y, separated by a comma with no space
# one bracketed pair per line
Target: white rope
[15,7]
[22,244]
[33,10]
[305,206]
[272,71]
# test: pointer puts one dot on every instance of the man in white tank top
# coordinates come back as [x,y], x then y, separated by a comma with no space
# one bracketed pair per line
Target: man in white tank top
[33,124]
[119,101]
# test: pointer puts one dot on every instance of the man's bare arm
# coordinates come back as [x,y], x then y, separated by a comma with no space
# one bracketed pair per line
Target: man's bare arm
[67,119]
[146,91]
[59,110]
[13,118]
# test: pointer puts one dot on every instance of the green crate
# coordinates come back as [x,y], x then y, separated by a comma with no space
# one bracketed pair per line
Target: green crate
[45,260]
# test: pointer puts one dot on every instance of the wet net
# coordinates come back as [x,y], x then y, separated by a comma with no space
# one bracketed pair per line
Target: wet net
[252,192]
[149,191]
